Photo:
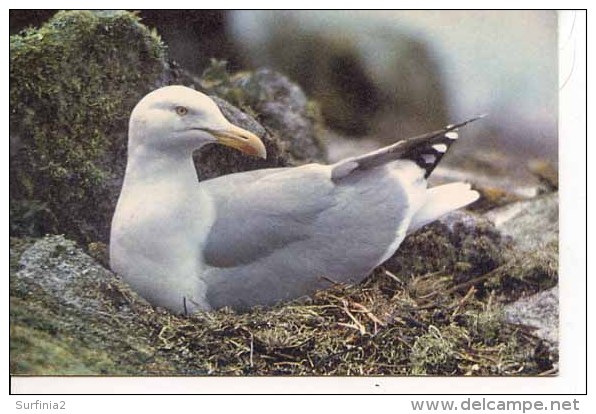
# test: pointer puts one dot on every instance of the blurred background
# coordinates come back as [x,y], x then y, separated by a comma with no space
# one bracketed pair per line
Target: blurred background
[379,76]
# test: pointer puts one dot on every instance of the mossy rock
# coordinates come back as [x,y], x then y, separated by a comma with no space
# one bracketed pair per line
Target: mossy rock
[533,260]
[36,351]
[69,316]
[280,105]
[460,243]
[73,83]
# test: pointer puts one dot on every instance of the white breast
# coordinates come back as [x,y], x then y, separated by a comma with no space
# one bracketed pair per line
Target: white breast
[158,232]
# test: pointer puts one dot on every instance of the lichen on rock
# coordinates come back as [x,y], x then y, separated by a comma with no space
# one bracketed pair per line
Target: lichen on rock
[285,108]
[532,226]
[70,316]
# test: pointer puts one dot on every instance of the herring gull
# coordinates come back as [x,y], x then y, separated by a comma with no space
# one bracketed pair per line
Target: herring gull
[260,237]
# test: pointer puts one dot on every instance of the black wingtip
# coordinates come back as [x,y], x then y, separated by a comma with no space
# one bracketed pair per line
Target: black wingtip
[425,150]
[429,153]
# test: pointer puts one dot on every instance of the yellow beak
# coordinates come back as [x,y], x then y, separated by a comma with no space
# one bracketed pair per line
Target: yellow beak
[242,140]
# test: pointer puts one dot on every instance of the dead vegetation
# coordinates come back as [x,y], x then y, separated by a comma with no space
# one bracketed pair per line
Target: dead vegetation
[424,326]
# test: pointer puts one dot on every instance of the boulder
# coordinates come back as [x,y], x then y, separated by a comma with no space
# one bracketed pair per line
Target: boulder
[276,102]
[533,228]
[532,224]
[540,312]
[70,316]
[282,106]
[272,107]
[215,160]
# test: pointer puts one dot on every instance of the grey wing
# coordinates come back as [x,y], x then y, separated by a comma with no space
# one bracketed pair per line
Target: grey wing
[281,234]
[261,211]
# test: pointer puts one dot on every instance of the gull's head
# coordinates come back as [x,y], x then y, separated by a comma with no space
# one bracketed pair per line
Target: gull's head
[177,118]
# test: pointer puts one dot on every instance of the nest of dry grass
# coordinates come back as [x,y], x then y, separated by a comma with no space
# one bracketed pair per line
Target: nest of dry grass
[385,326]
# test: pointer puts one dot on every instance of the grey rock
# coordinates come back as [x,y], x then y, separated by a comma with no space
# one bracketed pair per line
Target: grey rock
[532,227]
[270,100]
[237,117]
[283,107]
[63,272]
[532,224]
[539,311]
[69,315]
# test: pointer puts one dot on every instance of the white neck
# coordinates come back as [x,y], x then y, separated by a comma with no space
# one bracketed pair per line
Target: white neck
[163,210]
[149,167]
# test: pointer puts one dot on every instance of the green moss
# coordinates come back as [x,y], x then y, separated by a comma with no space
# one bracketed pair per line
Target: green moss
[217,80]
[484,324]
[527,272]
[434,351]
[460,243]
[245,95]
[34,352]
[73,83]
[47,338]
[40,346]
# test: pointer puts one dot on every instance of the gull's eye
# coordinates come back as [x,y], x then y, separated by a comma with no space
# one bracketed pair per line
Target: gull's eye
[181,110]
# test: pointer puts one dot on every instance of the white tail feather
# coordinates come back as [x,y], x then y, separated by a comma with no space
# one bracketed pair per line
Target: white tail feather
[441,200]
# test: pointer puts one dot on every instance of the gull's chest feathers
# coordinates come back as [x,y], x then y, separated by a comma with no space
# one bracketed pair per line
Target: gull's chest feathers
[158,234]
[159,207]
[166,218]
